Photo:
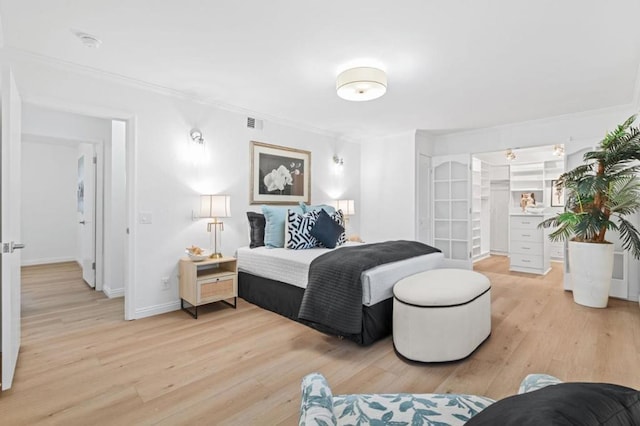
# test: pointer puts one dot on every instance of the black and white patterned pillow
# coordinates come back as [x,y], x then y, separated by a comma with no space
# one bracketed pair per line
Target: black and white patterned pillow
[298,230]
[338,217]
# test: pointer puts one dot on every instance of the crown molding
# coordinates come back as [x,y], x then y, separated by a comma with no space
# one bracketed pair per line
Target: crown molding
[539,121]
[16,54]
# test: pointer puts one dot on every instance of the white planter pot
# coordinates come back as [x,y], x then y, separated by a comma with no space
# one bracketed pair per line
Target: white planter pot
[591,269]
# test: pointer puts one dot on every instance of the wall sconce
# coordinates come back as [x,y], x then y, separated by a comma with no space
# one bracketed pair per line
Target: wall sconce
[215,207]
[558,150]
[338,161]
[196,136]
[510,154]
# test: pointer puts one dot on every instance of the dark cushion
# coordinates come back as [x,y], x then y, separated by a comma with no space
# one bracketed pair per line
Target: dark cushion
[326,230]
[256,234]
[582,404]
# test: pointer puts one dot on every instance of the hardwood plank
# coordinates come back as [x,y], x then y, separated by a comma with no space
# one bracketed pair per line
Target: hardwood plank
[81,363]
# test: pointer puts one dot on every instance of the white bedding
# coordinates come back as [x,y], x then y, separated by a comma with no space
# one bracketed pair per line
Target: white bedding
[292,267]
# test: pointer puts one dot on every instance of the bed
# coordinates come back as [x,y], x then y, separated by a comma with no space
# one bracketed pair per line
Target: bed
[276,279]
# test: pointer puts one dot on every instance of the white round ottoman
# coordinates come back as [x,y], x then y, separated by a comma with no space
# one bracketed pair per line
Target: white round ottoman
[441,315]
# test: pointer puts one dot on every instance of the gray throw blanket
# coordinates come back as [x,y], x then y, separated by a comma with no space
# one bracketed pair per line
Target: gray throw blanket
[333,297]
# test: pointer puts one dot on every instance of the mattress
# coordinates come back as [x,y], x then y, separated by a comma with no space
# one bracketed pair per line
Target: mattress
[292,267]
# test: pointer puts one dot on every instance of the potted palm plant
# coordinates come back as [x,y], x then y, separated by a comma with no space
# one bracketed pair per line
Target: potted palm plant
[600,193]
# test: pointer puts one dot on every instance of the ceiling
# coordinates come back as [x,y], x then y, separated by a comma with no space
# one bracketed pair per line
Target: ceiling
[451,65]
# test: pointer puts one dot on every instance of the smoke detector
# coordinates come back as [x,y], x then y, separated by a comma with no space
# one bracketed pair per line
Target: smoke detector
[88,40]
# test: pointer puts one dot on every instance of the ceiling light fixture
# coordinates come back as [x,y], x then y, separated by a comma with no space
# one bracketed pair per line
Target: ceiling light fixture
[361,84]
[510,154]
[88,40]
[558,150]
[196,136]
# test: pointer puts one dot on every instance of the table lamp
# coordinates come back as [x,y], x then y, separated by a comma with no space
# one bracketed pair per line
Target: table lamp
[215,207]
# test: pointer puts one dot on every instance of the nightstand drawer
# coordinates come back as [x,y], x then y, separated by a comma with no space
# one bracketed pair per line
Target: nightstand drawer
[526,261]
[532,236]
[214,289]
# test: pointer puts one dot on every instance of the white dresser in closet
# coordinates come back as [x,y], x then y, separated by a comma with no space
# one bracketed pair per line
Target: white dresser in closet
[528,245]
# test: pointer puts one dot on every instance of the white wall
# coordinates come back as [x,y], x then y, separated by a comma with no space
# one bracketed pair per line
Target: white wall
[388,185]
[170,174]
[48,202]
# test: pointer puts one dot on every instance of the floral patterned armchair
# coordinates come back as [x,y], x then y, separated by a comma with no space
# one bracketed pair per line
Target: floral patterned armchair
[320,408]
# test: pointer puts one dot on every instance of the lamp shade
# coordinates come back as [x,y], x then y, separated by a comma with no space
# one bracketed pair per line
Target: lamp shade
[347,206]
[361,84]
[215,206]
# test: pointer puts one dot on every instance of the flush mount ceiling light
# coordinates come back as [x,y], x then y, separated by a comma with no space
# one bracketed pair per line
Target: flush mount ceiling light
[196,136]
[88,40]
[361,84]
[510,154]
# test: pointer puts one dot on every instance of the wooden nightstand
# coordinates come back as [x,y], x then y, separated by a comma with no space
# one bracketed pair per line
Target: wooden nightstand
[212,280]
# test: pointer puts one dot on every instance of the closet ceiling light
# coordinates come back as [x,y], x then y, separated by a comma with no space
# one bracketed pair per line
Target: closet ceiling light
[196,136]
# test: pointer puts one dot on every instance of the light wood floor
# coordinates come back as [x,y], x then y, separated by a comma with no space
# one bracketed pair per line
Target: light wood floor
[80,363]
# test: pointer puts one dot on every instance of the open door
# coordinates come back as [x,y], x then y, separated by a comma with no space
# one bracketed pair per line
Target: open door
[452,209]
[86,195]
[10,225]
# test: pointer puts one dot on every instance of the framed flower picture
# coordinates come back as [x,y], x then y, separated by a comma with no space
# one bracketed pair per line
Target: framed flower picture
[279,175]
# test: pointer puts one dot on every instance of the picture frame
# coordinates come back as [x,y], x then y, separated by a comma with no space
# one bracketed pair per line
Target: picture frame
[279,175]
[557,196]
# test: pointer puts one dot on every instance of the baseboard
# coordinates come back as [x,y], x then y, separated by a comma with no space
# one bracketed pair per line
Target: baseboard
[119,292]
[47,260]
[157,309]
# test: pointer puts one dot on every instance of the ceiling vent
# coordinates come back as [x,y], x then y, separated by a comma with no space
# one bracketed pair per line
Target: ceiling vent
[253,123]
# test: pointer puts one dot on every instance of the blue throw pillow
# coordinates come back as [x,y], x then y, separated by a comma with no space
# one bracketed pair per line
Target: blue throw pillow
[306,209]
[275,218]
[326,230]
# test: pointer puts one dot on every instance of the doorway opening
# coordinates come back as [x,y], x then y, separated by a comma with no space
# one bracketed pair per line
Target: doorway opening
[91,200]
[513,191]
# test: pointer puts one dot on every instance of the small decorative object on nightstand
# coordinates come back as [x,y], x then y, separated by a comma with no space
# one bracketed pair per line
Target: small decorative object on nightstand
[208,281]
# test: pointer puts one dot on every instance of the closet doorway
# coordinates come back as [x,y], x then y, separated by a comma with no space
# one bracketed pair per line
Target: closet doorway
[508,177]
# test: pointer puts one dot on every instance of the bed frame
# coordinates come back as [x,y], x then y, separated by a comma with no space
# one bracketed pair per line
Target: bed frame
[285,299]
